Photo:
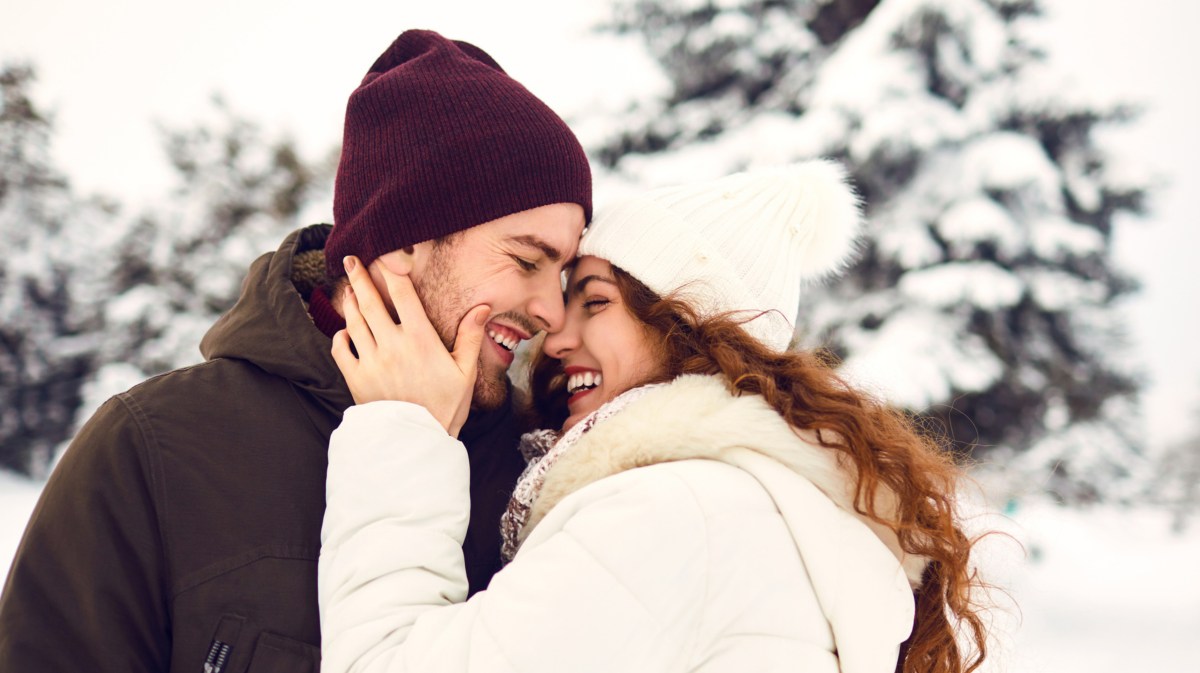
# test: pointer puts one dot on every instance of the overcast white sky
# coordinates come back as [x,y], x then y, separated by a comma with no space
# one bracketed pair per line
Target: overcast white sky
[110,70]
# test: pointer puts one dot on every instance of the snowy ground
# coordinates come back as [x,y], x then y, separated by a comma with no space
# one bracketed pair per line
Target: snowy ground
[17,497]
[1099,590]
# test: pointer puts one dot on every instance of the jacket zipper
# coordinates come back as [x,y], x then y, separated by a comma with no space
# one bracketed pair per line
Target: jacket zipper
[218,652]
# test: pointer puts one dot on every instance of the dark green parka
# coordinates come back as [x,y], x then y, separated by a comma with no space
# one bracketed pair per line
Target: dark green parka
[182,526]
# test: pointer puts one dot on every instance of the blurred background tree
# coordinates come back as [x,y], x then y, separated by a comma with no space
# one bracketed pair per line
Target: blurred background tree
[239,192]
[1176,483]
[48,320]
[986,297]
[93,301]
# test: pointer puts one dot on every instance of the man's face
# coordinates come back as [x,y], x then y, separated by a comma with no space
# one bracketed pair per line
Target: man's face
[513,264]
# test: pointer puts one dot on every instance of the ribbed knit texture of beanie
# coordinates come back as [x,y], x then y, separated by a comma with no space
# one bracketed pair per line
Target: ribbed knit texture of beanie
[745,243]
[439,139]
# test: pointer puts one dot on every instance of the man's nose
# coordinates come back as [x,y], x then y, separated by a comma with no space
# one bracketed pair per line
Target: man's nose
[547,308]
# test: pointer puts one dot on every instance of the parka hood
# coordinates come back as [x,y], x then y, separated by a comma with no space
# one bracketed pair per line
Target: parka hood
[269,326]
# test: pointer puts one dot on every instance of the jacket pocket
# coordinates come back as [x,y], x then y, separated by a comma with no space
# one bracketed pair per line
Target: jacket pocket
[274,653]
[224,640]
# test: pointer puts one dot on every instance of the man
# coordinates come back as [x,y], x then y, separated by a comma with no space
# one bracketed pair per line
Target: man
[180,532]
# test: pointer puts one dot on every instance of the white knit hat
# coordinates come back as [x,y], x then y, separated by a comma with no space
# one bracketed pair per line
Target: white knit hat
[745,242]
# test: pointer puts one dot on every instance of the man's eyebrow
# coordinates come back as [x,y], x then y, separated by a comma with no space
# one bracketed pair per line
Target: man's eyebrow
[552,253]
[582,282]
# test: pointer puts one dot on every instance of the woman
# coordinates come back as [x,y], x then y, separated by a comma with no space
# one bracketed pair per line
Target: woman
[712,502]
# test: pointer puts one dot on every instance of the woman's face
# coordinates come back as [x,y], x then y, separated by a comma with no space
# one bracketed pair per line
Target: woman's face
[603,349]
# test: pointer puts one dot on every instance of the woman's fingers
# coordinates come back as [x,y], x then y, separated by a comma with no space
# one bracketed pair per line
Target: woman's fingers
[466,358]
[409,308]
[374,311]
[406,362]
[343,355]
[470,340]
[359,331]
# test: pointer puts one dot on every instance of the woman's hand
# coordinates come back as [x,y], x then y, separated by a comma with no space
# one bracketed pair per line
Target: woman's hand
[406,361]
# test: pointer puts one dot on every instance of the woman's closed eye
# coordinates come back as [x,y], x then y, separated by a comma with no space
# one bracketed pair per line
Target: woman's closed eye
[594,304]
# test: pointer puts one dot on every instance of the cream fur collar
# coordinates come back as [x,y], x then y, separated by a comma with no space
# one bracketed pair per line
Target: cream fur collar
[696,417]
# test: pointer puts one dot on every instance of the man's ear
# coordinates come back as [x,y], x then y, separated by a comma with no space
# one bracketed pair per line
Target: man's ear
[400,262]
[409,261]
[405,262]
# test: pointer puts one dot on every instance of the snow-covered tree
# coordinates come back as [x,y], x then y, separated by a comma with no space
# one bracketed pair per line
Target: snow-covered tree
[1176,484]
[182,263]
[47,308]
[984,296]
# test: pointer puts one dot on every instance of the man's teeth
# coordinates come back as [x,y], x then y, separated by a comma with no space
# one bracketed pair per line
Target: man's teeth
[586,380]
[509,343]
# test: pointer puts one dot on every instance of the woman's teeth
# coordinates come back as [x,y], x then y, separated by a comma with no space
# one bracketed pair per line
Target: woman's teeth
[584,381]
[509,343]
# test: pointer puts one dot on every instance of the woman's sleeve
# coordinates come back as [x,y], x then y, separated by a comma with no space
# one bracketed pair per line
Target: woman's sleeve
[616,584]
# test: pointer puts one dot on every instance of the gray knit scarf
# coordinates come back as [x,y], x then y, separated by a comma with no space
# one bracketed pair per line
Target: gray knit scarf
[541,449]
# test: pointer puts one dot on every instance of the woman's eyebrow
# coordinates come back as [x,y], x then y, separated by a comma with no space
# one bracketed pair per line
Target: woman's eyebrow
[582,282]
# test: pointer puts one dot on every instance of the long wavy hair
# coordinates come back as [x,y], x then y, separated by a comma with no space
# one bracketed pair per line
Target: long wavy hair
[886,446]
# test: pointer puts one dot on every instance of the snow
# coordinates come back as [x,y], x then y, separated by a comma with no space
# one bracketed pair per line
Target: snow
[1008,161]
[1099,590]
[1058,291]
[904,125]
[17,498]
[1096,590]
[984,284]
[1054,237]
[975,220]
[915,357]
[905,239]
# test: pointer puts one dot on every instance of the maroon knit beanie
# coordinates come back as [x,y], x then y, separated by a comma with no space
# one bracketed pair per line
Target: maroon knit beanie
[439,139]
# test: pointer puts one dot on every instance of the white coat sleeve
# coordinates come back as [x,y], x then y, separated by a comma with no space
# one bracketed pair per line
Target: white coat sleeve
[397,504]
[616,586]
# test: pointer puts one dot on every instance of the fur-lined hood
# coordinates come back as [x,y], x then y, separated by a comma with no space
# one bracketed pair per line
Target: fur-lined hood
[696,417]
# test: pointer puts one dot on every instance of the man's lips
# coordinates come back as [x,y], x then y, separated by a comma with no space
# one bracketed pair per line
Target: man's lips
[506,356]
[509,335]
[504,340]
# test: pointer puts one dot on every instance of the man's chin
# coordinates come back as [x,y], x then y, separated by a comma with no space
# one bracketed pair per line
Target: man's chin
[491,390]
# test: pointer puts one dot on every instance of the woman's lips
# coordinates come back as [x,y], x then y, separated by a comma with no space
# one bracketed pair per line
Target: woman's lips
[575,397]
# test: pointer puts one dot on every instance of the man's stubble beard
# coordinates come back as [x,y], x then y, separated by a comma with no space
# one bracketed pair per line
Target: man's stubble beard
[446,304]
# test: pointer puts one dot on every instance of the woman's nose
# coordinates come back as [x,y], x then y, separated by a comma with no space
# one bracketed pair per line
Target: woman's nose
[561,342]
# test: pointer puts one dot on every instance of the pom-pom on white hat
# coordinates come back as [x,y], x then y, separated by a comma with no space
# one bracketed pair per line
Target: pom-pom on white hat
[743,243]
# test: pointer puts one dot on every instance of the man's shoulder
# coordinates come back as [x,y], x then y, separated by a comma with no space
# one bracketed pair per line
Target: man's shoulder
[188,406]
[223,377]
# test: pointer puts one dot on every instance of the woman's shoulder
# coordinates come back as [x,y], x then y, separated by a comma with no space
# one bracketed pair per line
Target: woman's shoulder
[706,486]
[699,537]
[687,502]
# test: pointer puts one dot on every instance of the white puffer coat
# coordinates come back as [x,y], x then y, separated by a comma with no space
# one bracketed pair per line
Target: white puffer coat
[693,531]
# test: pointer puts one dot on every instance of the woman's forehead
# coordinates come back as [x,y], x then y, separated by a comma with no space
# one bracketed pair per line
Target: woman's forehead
[583,270]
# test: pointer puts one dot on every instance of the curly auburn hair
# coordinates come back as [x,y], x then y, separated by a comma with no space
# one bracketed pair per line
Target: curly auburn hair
[884,444]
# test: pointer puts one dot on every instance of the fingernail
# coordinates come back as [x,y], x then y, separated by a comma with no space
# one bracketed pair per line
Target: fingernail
[349,262]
